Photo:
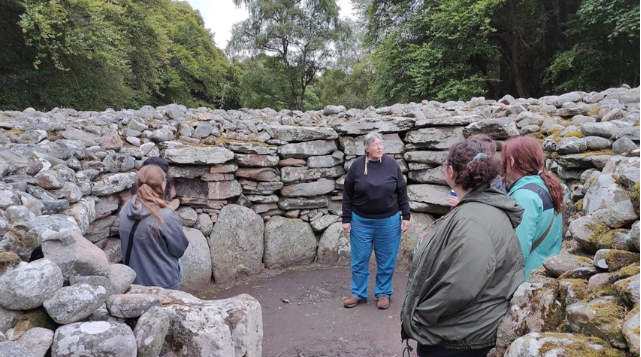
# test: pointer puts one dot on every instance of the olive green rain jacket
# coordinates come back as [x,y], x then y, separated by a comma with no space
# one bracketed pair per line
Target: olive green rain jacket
[464,273]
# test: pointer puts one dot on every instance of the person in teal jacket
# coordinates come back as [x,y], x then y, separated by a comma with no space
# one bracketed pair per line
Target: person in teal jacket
[542,196]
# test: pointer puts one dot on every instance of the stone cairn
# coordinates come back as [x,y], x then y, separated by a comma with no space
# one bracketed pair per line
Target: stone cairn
[259,189]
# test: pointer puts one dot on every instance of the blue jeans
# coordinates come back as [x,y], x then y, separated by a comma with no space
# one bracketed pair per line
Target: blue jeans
[384,236]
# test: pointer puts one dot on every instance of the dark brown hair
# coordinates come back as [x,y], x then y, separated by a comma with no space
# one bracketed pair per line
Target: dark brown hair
[529,158]
[472,169]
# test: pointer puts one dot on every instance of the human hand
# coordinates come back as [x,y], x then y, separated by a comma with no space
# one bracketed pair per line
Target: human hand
[453,201]
[347,227]
[404,225]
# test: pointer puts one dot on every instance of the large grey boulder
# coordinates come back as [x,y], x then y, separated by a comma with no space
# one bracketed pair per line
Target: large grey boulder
[531,306]
[28,286]
[14,349]
[131,305]
[598,317]
[429,198]
[621,214]
[112,183]
[632,238]
[334,246]
[196,261]
[497,129]
[382,125]
[74,303]
[288,242]
[37,340]
[603,193]
[557,345]
[356,146]
[559,264]
[207,155]
[426,157]
[121,277]
[434,138]
[311,189]
[94,339]
[300,133]
[606,130]
[307,149]
[420,227]
[150,332]
[432,176]
[236,243]
[571,145]
[75,255]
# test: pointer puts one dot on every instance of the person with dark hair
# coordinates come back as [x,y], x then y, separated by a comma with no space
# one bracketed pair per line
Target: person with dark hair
[465,271]
[151,236]
[542,196]
[376,211]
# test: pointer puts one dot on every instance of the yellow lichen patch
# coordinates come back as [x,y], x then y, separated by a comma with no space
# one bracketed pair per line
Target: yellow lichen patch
[625,272]
[575,134]
[579,205]
[538,136]
[15,131]
[607,319]
[579,258]
[580,349]
[603,290]
[598,153]
[634,197]
[617,259]
[594,111]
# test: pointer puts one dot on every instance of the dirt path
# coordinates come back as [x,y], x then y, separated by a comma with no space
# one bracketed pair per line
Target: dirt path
[303,314]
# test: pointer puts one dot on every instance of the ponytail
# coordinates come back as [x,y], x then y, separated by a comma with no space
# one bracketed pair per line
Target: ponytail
[556,190]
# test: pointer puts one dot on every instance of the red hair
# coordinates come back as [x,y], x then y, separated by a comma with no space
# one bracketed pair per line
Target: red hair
[528,158]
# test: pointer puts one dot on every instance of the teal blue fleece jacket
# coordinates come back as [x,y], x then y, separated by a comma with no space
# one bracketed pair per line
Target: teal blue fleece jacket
[539,211]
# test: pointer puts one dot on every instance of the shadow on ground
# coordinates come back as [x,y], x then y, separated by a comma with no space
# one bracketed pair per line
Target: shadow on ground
[303,314]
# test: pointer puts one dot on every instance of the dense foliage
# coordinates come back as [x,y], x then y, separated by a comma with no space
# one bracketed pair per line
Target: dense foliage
[299,54]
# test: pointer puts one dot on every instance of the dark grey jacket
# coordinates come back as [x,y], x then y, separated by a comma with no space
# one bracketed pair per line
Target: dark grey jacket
[464,273]
[154,259]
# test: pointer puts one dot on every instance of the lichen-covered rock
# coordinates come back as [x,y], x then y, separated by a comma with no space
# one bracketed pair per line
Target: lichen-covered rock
[94,339]
[600,317]
[559,264]
[198,155]
[28,286]
[196,261]
[75,255]
[37,340]
[630,330]
[603,193]
[382,125]
[74,303]
[628,290]
[311,189]
[632,238]
[434,138]
[334,246]
[131,305]
[572,290]
[14,349]
[288,242]
[112,183]
[30,320]
[617,259]
[298,133]
[8,319]
[150,332]
[560,345]
[236,244]
[307,149]
[121,277]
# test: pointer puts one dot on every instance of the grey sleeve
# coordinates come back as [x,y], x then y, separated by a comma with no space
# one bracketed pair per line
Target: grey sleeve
[173,233]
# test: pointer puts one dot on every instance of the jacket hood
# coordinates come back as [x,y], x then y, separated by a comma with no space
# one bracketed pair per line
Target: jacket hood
[495,198]
[135,210]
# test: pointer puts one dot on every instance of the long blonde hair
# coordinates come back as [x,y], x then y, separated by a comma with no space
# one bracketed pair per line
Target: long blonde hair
[150,192]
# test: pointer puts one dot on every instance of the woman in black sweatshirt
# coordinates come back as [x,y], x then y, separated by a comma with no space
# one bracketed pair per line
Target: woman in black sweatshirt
[376,211]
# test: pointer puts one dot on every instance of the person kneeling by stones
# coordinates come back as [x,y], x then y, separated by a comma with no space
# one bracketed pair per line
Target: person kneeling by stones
[465,271]
[374,200]
[151,236]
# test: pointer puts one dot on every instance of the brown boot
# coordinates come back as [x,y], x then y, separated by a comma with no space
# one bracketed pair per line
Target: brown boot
[352,301]
[383,303]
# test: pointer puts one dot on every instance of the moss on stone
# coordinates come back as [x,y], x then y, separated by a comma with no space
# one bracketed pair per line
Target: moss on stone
[33,318]
[600,236]
[579,205]
[601,291]
[598,153]
[575,134]
[625,272]
[634,197]
[580,349]
[538,136]
[8,260]
[579,258]
[594,111]
[607,319]
[617,259]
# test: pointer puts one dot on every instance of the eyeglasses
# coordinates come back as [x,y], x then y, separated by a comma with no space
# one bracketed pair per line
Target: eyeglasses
[376,145]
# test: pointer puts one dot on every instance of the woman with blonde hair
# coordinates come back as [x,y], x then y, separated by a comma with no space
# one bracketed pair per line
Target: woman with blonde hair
[151,236]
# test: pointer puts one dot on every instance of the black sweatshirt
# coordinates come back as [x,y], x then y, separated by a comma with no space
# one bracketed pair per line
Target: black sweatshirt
[379,194]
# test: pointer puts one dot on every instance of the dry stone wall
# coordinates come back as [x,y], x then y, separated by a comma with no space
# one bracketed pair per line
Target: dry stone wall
[259,189]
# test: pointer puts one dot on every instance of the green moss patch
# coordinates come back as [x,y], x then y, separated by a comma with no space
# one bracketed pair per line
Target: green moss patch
[617,259]
[625,272]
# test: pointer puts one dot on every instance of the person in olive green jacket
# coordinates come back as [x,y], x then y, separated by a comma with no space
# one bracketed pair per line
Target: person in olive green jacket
[465,271]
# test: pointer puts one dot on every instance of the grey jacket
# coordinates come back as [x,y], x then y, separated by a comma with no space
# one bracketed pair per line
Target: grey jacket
[464,273]
[154,259]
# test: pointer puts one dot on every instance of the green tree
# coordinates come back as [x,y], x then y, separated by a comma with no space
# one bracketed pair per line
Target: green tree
[295,41]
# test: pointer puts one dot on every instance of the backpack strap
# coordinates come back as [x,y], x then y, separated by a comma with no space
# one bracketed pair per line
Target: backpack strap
[543,236]
[131,242]
[546,198]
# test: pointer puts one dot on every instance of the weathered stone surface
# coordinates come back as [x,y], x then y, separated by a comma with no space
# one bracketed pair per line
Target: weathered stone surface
[532,305]
[75,255]
[382,125]
[628,290]
[288,242]
[196,260]
[497,129]
[102,228]
[37,340]
[623,145]
[571,145]
[311,189]
[307,149]
[96,339]
[419,228]
[292,174]
[434,138]
[113,183]
[49,179]
[83,212]
[74,303]
[605,130]
[300,133]
[28,286]
[131,305]
[621,214]
[255,160]
[597,318]
[236,244]
[14,349]
[559,264]
[433,176]
[597,143]
[334,247]
[434,198]
[8,319]
[121,277]
[603,193]
[187,216]
[302,203]
[204,224]
[457,120]
[557,345]
[250,148]
[150,332]
[198,155]
[630,330]
[632,238]
[596,281]
[264,174]
[426,157]
[223,189]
